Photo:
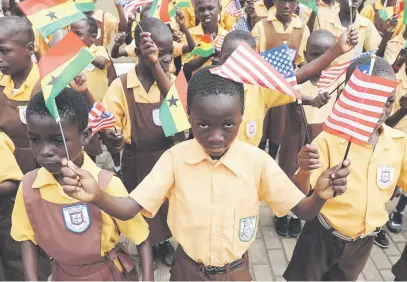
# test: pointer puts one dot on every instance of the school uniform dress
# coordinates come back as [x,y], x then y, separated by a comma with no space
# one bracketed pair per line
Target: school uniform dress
[257,101]
[294,135]
[82,240]
[270,33]
[137,114]
[371,12]
[107,24]
[393,48]
[336,244]
[214,206]
[324,12]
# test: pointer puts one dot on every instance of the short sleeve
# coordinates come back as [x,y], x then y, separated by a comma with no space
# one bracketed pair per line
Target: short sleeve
[9,170]
[303,45]
[274,98]
[114,102]
[157,185]
[256,32]
[102,52]
[276,189]
[373,38]
[135,229]
[390,55]
[323,149]
[21,229]
[402,181]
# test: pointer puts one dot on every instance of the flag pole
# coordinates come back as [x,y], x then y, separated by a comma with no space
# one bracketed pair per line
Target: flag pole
[333,91]
[304,120]
[351,12]
[58,121]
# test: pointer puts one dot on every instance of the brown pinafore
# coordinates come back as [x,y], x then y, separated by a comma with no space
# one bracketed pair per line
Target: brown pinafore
[276,39]
[148,143]
[76,256]
[101,27]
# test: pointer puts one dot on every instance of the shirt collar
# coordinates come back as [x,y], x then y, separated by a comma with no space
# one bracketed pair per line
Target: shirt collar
[295,22]
[198,30]
[31,80]
[230,159]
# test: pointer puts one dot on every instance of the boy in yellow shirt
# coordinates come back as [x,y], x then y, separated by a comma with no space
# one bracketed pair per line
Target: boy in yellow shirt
[82,240]
[394,47]
[326,9]
[336,244]
[214,184]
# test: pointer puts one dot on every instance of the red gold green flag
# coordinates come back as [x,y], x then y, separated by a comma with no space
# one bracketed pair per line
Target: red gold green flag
[178,4]
[85,5]
[48,16]
[159,10]
[60,66]
[204,48]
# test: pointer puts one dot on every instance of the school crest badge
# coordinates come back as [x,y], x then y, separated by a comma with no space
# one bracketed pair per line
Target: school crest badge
[385,176]
[251,128]
[76,218]
[22,111]
[247,228]
[156,117]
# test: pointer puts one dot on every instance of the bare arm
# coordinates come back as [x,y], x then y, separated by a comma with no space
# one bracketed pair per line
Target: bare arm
[8,188]
[146,257]
[309,207]
[394,119]
[99,62]
[122,17]
[29,253]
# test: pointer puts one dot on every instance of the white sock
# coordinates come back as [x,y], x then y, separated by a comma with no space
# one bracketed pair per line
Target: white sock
[117,168]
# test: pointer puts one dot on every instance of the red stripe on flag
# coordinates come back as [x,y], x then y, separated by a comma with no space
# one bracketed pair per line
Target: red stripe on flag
[361,100]
[375,79]
[342,135]
[363,89]
[350,127]
[352,118]
[357,110]
[30,7]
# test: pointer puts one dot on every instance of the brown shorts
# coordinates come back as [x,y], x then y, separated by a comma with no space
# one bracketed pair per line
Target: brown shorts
[186,269]
[400,268]
[321,256]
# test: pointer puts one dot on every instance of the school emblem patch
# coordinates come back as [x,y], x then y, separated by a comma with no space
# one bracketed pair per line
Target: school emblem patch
[247,228]
[251,128]
[156,117]
[76,218]
[22,111]
[385,175]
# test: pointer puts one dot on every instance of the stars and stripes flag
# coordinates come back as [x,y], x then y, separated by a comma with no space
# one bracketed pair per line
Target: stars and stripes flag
[234,9]
[359,107]
[131,6]
[218,42]
[281,59]
[242,24]
[99,118]
[246,66]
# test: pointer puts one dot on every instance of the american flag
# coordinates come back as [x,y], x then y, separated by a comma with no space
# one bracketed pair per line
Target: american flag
[359,107]
[242,24]
[234,9]
[281,59]
[131,6]
[246,66]
[99,119]
[219,42]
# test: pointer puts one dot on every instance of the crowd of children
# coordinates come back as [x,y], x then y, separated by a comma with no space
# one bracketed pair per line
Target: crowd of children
[64,217]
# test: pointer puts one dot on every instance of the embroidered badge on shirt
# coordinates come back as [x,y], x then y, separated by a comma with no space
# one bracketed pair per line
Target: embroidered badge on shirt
[22,111]
[76,218]
[251,127]
[156,117]
[385,175]
[247,228]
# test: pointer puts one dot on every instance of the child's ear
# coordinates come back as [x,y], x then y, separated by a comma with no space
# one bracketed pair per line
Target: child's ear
[94,36]
[31,48]
[86,136]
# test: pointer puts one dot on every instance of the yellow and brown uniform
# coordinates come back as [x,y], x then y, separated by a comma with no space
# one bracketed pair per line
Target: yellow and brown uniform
[107,24]
[324,12]
[393,48]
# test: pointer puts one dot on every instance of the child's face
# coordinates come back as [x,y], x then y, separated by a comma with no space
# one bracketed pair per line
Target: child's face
[388,108]
[47,144]
[318,47]
[215,122]
[207,11]
[81,28]
[284,9]
[15,54]
[165,45]
[5,5]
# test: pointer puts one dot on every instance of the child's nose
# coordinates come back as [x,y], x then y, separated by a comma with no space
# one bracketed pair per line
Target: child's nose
[216,136]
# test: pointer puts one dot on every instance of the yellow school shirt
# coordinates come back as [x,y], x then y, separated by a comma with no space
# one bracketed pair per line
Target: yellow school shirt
[116,103]
[97,78]
[393,48]
[189,14]
[25,91]
[9,169]
[368,36]
[197,33]
[135,229]
[258,31]
[260,9]
[371,183]
[40,46]
[214,205]
[257,101]
[369,12]
[400,92]
[324,12]
[110,24]
[227,21]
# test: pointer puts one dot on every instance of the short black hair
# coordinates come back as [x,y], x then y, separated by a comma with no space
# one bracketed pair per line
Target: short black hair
[381,67]
[13,25]
[240,35]
[318,34]
[203,84]
[92,24]
[151,25]
[72,108]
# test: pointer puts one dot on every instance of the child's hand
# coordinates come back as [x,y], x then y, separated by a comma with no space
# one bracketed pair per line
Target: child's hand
[80,83]
[321,100]
[120,38]
[113,140]
[180,17]
[391,23]
[333,180]
[347,41]
[78,183]
[308,158]
[177,36]
[403,102]
[148,48]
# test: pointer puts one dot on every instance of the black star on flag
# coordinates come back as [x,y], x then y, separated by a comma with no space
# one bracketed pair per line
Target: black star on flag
[51,16]
[53,79]
[173,101]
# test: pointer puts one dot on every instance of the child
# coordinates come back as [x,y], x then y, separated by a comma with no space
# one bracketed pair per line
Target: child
[214,184]
[207,12]
[134,99]
[317,107]
[82,240]
[96,72]
[258,10]
[336,245]
[19,79]
[394,47]
[107,24]
[326,9]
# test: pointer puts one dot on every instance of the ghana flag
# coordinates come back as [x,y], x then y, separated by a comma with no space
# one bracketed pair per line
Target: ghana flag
[173,113]
[178,4]
[60,66]
[204,48]
[47,16]
[85,5]
[159,10]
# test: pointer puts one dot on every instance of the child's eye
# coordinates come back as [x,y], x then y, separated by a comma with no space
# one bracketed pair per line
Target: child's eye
[203,125]
[229,125]
[58,141]
[4,51]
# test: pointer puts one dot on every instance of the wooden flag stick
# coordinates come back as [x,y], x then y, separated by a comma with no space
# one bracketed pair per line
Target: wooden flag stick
[337,88]
[304,120]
